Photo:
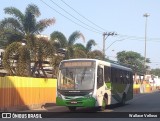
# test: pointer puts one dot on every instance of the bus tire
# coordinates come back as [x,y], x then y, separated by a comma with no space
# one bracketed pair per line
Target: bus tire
[123,102]
[71,108]
[104,103]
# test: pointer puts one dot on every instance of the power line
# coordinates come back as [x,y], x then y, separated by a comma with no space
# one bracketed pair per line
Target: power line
[99,32]
[75,17]
[131,36]
[69,18]
[139,38]
[83,16]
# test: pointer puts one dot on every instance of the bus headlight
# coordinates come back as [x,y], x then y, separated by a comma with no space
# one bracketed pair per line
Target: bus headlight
[59,95]
[89,95]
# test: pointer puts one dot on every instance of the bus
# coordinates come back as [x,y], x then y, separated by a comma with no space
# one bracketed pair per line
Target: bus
[93,83]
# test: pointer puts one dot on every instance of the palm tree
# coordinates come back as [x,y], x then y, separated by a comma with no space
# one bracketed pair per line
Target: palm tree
[23,26]
[82,51]
[61,42]
[16,60]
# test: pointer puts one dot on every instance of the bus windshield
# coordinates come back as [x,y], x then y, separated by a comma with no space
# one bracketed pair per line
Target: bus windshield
[80,78]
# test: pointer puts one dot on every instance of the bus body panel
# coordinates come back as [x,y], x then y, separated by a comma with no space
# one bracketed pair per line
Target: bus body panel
[115,88]
[77,101]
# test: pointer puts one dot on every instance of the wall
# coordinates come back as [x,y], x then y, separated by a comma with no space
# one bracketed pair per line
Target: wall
[16,92]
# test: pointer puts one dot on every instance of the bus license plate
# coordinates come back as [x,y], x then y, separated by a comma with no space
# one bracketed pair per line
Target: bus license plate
[73,102]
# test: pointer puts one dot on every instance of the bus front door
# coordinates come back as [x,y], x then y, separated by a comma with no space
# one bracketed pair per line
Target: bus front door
[100,87]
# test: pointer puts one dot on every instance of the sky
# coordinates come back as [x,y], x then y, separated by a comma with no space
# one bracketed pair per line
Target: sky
[125,17]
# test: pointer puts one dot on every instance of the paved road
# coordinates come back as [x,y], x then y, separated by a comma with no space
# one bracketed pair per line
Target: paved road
[149,102]
[141,103]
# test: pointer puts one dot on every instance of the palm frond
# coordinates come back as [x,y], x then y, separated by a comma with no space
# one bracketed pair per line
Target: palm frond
[79,46]
[74,36]
[15,12]
[12,24]
[59,38]
[29,23]
[33,9]
[89,45]
[42,24]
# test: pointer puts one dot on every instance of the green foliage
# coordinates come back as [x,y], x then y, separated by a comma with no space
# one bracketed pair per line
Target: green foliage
[24,26]
[132,59]
[16,60]
[55,61]
[74,36]
[156,72]
[79,46]
[80,54]
[95,54]
[21,26]
[43,49]
[86,50]
[60,40]
[89,45]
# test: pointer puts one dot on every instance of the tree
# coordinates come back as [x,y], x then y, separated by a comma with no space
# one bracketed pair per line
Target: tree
[23,26]
[134,60]
[45,51]
[16,60]
[82,51]
[95,54]
[87,48]
[155,72]
[60,41]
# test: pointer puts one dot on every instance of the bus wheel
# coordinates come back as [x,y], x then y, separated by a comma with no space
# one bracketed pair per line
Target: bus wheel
[72,108]
[123,100]
[104,103]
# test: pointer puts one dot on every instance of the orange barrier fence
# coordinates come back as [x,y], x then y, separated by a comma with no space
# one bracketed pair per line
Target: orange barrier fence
[26,91]
[142,88]
[148,88]
[136,88]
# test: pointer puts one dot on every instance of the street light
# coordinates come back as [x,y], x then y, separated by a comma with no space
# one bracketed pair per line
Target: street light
[145,15]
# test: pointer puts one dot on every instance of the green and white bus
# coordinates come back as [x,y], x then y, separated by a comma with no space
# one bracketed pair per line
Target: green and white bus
[93,83]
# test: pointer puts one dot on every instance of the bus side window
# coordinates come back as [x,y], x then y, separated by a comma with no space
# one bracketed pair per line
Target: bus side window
[99,77]
[121,77]
[117,75]
[107,74]
[131,78]
[113,75]
[127,78]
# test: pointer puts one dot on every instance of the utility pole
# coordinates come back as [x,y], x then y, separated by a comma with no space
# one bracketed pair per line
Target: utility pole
[145,15]
[105,36]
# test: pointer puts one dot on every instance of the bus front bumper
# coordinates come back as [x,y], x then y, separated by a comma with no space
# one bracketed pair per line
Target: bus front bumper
[78,102]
